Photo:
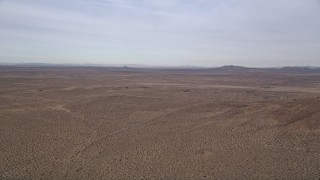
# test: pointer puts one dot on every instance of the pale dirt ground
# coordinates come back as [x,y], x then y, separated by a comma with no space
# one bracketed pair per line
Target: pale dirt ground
[86,123]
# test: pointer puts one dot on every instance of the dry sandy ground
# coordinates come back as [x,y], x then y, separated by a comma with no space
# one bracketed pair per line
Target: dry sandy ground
[95,123]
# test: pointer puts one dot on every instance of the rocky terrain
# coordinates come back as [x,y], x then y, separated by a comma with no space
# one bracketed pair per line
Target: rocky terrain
[128,123]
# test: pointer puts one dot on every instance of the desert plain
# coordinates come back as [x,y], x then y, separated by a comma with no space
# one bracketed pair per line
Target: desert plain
[127,123]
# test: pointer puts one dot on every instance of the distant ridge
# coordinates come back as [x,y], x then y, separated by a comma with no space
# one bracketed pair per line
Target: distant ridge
[301,69]
[189,68]
[232,67]
[288,69]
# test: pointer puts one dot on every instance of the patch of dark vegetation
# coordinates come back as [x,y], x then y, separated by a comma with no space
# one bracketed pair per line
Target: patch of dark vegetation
[78,170]
[250,91]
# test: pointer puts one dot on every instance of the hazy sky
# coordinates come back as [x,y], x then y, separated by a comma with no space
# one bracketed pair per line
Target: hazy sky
[161,32]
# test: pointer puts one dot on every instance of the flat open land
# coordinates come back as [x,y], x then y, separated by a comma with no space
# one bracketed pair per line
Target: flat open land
[123,123]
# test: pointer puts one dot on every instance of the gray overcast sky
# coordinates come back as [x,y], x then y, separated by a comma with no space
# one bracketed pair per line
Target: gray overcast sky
[161,32]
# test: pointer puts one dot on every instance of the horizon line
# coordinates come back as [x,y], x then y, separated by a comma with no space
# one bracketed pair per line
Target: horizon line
[146,66]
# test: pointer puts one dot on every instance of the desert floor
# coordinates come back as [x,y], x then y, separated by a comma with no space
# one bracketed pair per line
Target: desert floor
[104,123]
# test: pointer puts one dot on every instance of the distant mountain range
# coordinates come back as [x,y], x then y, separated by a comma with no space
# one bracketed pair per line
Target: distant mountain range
[231,68]
[222,69]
